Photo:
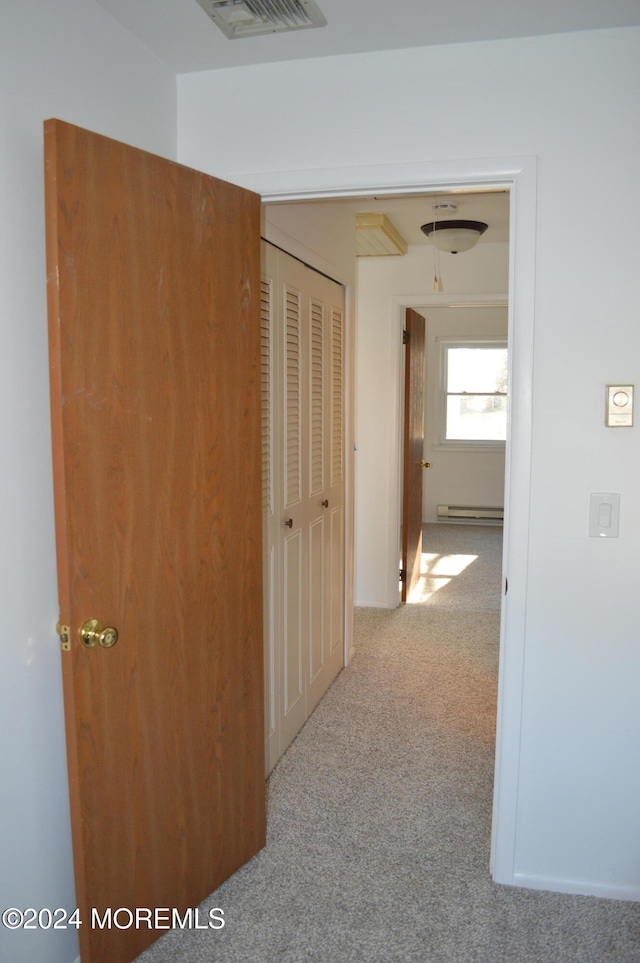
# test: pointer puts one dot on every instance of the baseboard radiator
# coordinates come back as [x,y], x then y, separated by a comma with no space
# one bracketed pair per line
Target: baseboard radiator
[470,513]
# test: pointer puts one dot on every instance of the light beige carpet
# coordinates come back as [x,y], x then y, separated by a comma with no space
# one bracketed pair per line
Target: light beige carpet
[379,814]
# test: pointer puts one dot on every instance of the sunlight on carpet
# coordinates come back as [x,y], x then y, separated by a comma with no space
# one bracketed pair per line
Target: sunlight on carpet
[436,571]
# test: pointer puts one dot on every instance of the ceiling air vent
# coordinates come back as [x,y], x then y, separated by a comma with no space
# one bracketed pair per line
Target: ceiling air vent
[247,18]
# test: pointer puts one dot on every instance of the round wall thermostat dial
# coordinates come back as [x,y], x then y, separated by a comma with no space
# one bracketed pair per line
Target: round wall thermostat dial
[620,399]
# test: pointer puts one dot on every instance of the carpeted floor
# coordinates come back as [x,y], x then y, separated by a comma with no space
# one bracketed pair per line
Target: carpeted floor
[380,813]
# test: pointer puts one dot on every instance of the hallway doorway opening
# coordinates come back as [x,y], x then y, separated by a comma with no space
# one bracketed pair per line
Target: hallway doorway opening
[518,175]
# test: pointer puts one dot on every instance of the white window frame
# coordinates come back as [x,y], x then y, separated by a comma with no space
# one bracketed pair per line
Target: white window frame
[461,443]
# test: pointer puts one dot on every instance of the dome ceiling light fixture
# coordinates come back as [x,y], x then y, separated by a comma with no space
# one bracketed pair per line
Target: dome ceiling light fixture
[452,236]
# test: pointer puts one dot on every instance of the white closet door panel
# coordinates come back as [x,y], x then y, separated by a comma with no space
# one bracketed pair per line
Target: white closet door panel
[293,691]
[270,532]
[335,592]
[271,663]
[266,377]
[316,685]
[337,396]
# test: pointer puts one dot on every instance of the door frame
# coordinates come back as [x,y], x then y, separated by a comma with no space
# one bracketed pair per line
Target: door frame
[423,302]
[519,175]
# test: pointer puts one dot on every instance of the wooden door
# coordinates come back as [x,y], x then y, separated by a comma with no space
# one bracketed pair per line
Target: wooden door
[413,451]
[153,280]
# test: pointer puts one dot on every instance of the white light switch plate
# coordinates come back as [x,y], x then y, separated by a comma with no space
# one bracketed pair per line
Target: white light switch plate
[604,514]
[619,406]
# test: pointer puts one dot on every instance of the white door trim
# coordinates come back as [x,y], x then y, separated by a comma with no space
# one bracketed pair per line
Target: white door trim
[519,175]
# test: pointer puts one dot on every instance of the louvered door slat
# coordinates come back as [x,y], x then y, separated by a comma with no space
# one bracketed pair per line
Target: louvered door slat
[316,398]
[266,374]
[337,395]
[292,398]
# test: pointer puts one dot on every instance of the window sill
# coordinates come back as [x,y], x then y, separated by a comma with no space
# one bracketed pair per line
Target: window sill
[496,446]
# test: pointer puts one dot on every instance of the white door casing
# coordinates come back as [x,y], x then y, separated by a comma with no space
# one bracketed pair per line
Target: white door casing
[519,175]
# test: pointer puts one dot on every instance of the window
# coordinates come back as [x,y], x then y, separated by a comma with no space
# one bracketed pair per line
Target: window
[474,399]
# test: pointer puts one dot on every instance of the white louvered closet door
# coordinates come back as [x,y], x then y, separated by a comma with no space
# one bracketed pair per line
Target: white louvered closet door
[336,552]
[293,567]
[304,535]
[270,528]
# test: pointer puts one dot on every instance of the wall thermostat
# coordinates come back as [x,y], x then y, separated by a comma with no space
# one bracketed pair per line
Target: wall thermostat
[619,406]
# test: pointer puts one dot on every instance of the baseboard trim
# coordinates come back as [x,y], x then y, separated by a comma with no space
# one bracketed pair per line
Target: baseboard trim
[577,887]
[359,604]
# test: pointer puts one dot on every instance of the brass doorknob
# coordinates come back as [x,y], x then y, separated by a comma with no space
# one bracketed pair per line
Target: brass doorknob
[94,633]
[425,464]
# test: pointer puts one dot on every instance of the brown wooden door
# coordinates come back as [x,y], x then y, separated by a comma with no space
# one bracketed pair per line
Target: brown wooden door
[413,451]
[153,286]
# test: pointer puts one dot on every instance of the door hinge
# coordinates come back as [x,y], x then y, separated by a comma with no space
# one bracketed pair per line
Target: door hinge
[405,336]
[402,575]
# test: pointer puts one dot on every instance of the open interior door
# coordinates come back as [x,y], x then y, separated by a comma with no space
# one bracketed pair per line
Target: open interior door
[413,451]
[153,290]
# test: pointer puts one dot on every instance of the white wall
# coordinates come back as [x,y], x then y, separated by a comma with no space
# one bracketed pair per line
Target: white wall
[66,59]
[319,232]
[570,100]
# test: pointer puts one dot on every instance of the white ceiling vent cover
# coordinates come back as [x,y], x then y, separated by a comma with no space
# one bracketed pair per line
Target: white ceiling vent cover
[377,237]
[247,18]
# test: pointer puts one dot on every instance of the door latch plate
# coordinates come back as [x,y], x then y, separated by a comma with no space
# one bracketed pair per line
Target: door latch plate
[65,636]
